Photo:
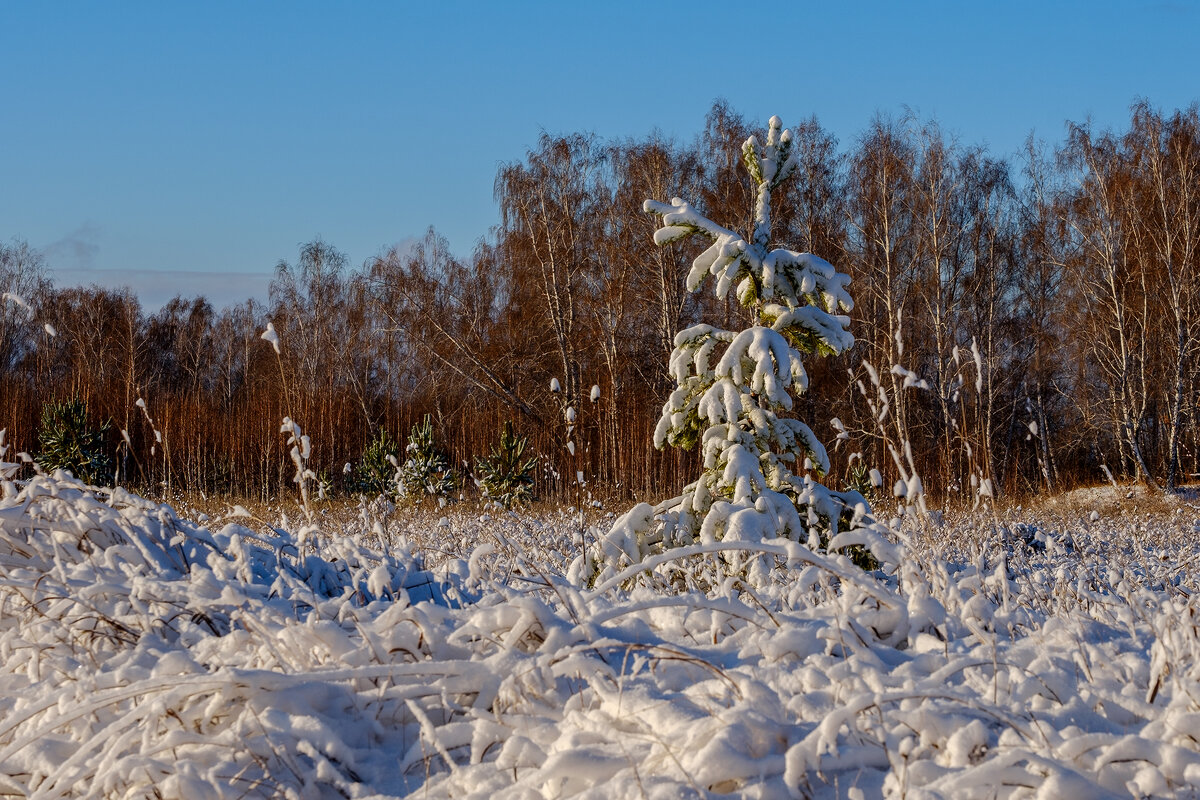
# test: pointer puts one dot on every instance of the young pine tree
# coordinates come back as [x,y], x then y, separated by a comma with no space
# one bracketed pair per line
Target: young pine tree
[733,389]
[66,441]
[426,470]
[375,473]
[506,476]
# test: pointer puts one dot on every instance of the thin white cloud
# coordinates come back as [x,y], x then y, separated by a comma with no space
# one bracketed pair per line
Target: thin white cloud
[155,287]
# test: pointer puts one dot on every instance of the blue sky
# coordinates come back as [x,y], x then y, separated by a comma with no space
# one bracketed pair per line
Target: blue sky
[190,146]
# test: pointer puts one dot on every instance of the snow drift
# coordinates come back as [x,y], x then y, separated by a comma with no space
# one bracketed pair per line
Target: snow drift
[143,654]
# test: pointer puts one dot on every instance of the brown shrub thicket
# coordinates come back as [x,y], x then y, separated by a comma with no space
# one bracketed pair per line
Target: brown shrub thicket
[1051,303]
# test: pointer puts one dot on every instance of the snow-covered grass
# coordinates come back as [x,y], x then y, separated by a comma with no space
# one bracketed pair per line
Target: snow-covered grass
[1038,653]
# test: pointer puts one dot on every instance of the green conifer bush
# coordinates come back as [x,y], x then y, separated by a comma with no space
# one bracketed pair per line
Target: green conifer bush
[375,473]
[506,475]
[67,441]
[426,471]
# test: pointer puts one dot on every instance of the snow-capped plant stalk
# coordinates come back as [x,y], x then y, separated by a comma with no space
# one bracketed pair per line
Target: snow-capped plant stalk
[958,396]
[301,445]
[572,425]
[301,452]
[908,490]
[761,468]
[7,470]
[158,440]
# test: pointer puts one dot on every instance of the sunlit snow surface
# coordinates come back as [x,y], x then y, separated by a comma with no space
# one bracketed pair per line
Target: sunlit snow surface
[143,654]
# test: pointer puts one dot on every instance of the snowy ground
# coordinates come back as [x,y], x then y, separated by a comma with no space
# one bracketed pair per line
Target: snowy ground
[145,655]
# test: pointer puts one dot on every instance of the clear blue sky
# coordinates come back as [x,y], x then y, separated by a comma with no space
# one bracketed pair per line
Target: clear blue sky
[193,145]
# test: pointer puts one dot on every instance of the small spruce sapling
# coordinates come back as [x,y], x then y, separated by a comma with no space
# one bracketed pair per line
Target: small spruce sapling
[760,468]
[66,441]
[506,475]
[426,470]
[375,474]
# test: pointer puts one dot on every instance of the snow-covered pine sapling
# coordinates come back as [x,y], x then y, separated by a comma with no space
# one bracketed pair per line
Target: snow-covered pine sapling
[506,475]
[760,468]
[426,471]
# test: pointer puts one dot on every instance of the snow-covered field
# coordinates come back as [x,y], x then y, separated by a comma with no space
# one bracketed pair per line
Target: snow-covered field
[144,655]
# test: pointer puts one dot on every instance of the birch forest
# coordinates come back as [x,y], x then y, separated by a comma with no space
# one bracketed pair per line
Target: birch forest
[1032,318]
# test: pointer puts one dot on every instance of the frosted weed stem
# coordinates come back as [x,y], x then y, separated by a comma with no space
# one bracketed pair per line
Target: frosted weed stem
[301,444]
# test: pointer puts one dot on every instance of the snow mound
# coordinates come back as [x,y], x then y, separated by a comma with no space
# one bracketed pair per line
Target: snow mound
[143,654]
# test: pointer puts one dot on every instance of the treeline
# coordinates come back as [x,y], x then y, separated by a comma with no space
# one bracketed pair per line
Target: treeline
[1025,324]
